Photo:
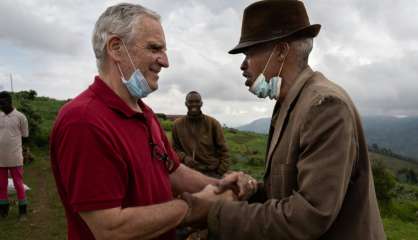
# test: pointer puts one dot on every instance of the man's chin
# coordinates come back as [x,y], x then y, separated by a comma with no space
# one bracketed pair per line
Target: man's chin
[154,86]
[194,114]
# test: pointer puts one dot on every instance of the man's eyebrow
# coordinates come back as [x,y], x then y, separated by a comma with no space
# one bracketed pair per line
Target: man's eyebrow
[156,45]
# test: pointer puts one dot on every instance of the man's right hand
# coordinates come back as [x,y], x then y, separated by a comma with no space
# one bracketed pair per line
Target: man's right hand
[242,184]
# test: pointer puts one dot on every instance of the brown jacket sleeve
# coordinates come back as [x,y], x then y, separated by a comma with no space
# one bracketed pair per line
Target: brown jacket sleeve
[221,148]
[328,151]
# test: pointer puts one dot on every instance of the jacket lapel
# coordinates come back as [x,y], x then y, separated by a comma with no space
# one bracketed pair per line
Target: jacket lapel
[284,112]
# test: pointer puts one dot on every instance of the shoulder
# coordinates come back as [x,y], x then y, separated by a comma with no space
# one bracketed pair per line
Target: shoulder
[179,121]
[84,109]
[320,86]
[212,121]
[321,92]
[20,115]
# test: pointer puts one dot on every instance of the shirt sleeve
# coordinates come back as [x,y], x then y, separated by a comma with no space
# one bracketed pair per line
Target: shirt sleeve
[24,128]
[328,153]
[92,171]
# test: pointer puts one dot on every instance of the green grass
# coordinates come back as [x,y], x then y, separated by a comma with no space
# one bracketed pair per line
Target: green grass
[397,229]
[46,218]
[393,163]
[247,151]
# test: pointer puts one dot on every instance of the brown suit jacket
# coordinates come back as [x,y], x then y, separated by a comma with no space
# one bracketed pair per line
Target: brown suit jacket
[318,182]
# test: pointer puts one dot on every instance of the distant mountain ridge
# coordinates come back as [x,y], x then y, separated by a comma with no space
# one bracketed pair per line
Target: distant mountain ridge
[260,125]
[398,134]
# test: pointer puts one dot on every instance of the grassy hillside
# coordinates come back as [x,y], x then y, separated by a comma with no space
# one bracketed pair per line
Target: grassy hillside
[47,219]
[392,163]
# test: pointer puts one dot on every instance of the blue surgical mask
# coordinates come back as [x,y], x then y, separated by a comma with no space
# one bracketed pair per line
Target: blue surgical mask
[263,88]
[137,85]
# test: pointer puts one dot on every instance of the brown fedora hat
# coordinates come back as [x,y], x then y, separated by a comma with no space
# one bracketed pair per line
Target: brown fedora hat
[269,20]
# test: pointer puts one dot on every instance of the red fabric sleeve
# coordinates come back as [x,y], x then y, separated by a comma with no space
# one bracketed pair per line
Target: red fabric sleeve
[93,173]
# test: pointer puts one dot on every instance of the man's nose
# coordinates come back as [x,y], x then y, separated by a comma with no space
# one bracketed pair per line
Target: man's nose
[163,60]
[244,64]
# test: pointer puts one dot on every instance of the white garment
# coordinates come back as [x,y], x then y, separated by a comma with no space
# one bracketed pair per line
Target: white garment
[11,187]
[13,127]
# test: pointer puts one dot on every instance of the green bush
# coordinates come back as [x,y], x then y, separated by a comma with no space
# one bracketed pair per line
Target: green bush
[384,183]
[166,124]
[404,210]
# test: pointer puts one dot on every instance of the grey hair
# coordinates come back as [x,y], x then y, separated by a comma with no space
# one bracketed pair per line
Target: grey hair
[117,20]
[303,47]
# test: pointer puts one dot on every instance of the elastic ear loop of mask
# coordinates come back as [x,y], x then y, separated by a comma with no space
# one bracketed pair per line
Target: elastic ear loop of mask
[281,66]
[130,59]
[268,61]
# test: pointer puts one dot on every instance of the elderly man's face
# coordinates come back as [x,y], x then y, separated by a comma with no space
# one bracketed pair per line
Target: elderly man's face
[255,61]
[148,50]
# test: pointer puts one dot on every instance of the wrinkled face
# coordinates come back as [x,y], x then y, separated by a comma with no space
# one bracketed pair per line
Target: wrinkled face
[194,104]
[255,61]
[148,51]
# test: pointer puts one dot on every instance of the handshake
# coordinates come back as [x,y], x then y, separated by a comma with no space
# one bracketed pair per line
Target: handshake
[234,186]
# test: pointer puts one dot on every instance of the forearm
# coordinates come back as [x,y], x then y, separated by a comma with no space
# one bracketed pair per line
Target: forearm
[137,222]
[291,218]
[185,179]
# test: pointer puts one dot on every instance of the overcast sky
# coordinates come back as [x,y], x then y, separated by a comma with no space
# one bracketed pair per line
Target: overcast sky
[368,47]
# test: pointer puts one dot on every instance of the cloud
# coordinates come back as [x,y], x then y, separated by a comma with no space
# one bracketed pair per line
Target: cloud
[369,48]
[23,28]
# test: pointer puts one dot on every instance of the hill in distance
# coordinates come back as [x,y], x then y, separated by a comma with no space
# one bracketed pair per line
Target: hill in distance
[398,134]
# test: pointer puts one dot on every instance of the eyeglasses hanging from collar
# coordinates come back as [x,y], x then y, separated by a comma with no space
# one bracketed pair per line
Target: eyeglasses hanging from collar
[159,153]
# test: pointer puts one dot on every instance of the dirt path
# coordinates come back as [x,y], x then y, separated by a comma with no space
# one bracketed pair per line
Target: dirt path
[46,218]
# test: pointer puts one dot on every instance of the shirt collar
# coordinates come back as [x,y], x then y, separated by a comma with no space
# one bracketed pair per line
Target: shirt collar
[113,101]
[10,114]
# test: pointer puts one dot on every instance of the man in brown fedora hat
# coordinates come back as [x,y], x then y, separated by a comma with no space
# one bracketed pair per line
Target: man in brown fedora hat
[318,182]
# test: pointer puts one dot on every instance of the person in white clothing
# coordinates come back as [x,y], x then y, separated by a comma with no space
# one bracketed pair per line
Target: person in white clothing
[13,126]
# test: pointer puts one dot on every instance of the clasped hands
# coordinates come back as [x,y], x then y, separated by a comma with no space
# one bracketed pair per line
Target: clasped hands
[234,186]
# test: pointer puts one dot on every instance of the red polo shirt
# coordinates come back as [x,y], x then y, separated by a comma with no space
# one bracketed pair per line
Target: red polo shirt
[105,155]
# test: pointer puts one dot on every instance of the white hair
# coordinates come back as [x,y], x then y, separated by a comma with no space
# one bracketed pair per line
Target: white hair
[117,20]
[303,48]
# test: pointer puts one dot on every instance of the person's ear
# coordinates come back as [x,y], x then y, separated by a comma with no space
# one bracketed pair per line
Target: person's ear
[114,48]
[282,50]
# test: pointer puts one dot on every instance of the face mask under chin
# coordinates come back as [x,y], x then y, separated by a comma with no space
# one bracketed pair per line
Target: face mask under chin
[136,85]
[263,88]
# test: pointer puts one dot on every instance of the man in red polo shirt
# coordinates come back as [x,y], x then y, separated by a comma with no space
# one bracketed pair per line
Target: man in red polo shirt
[115,171]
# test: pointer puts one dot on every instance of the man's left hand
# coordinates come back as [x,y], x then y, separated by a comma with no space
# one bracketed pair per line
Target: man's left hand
[201,202]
